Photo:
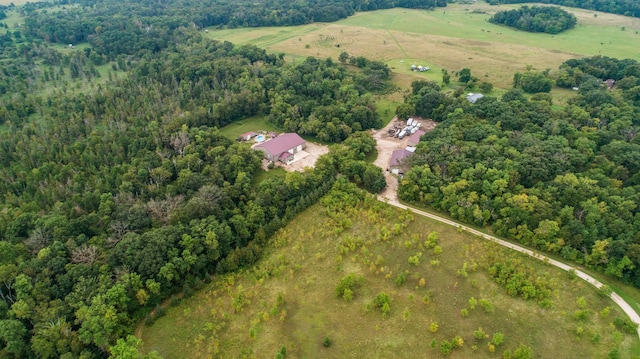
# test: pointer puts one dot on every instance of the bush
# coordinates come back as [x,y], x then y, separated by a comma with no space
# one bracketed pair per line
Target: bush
[326,342]
[401,278]
[346,286]
[626,325]
[498,338]
[281,353]
[150,320]
[174,301]
[487,306]
[479,334]
[159,311]
[382,301]
[523,352]
[445,347]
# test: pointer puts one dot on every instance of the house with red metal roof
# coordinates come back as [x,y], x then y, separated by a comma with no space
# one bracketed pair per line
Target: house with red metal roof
[398,160]
[282,148]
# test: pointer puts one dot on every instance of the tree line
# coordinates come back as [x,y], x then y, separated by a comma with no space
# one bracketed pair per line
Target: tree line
[564,181]
[549,19]
[620,7]
[150,26]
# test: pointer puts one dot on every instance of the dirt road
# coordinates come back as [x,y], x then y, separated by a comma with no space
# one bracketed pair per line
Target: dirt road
[385,147]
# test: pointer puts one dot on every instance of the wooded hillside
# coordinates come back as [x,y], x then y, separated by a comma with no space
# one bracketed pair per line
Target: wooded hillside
[564,181]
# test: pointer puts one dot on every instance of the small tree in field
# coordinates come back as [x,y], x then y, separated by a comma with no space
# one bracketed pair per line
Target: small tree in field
[472,303]
[445,347]
[433,327]
[523,352]
[464,75]
[479,334]
[498,338]
[343,57]
[486,87]
[382,301]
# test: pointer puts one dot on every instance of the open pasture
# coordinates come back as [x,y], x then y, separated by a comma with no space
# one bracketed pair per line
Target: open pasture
[452,38]
[437,280]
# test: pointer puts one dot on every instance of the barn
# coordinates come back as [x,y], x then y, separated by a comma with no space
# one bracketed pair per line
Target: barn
[282,148]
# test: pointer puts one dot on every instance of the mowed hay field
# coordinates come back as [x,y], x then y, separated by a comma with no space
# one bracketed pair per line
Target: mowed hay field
[454,37]
[431,272]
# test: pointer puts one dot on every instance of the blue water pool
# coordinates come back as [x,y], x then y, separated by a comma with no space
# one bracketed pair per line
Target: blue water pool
[259,138]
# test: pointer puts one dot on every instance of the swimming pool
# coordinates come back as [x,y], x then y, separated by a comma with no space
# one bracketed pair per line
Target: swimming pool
[259,138]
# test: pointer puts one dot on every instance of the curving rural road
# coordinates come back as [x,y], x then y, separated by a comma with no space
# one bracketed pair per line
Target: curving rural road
[389,195]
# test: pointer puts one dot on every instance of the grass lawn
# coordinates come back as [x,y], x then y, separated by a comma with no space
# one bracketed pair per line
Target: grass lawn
[255,123]
[289,298]
[386,109]
[12,20]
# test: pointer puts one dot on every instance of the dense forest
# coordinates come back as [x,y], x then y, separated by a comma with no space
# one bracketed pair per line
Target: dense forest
[621,7]
[119,190]
[565,181]
[117,197]
[149,26]
[549,19]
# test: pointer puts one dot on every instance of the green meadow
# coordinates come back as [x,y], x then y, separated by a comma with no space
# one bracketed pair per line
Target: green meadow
[436,283]
[452,38]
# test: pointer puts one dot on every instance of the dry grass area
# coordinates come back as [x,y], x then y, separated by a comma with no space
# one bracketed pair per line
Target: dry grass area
[289,298]
[453,38]
[491,61]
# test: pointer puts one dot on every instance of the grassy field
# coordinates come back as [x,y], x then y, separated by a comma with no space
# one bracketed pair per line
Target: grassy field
[255,123]
[453,38]
[289,298]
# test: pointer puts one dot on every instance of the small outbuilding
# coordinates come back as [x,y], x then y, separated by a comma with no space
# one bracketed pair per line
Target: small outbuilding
[609,83]
[415,138]
[247,136]
[473,97]
[282,148]
[398,160]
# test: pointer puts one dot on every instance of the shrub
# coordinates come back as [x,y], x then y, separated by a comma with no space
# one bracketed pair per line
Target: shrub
[445,347]
[479,334]
[346,286]
[326,342]
[281,353]
[626,325]
[523,352]
[498,338]
[415,260]
[457,341]
[487,306]
[159,311]
[382,301]
[150,320]
[472,303]
[605,291]
[400,279]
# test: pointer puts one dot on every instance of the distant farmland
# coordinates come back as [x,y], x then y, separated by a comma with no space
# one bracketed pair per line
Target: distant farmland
[452,38]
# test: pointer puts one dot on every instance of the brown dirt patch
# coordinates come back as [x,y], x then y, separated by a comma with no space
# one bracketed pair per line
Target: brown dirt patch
[386,145]
[313,152]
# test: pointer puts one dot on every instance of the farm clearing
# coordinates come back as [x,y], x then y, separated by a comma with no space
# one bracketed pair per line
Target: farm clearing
[451,38]
[432,273]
